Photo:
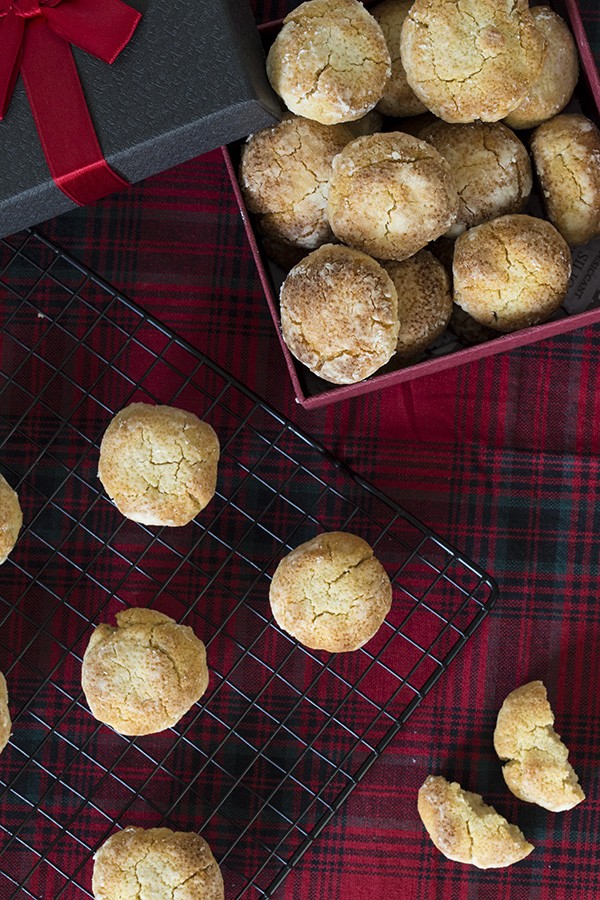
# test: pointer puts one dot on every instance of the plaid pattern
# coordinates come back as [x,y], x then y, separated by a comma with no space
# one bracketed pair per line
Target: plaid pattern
[500,457]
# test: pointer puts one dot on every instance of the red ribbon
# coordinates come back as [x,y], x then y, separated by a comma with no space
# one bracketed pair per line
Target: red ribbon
[34,40]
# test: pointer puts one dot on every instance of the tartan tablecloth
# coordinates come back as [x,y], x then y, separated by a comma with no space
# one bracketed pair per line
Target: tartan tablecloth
[501,457]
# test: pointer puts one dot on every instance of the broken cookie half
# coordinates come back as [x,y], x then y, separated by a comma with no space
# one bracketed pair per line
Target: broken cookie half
[538,769]
[466,829]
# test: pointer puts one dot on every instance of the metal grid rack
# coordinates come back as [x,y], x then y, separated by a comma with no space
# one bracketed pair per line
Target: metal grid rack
[283,734]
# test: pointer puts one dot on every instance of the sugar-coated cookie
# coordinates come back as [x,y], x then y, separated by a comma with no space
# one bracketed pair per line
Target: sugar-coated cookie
[471,61]
[511,272]
[339,314]
[566,154]
[490,166]
[156,864]
[552,89]
[5,722]
[144,675]
[424,301]
[537,768]
[11,519]
[284,175]
[331,593]
[330,61]
[390,194]
[466,829]
[399,99]
[159,464]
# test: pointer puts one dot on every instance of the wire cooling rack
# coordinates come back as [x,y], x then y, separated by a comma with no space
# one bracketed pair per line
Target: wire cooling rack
[283,734]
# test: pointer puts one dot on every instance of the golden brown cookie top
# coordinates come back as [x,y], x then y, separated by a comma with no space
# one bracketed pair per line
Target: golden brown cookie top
[471,59]
[537,770]
[552,89]
[331,593]
[5,722]
[490,166]
[511,272]
[159,464]
[390,194]
[144,675]
[399,99]
[466,829]
[284,174]
[566,153]
[424,301]
[156,863]
[339,314]
[11,519]
[330,61]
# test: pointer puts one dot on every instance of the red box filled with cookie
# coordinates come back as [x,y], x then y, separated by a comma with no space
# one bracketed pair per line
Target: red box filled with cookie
[403,236]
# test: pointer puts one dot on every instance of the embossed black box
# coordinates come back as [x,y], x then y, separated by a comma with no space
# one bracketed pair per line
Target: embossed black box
[191,78]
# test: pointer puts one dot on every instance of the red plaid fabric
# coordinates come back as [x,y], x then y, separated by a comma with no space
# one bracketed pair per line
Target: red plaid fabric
[501,457]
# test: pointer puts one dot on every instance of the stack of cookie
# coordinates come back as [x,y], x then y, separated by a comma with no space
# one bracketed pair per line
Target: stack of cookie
[350,209]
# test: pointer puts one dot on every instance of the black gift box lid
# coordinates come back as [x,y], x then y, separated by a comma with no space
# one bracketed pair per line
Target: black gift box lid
[191,78]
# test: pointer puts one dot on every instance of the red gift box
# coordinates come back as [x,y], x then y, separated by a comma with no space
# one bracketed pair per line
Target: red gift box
[581,307]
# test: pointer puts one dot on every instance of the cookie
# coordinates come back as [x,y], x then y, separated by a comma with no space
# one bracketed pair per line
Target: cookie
[424,301]
[5,722]
[330,61]
[11,519]
[398,99]
[512,272]
[144,675]
[339,314]
[159,464]
[158,864]
[390,194]
[331,593]
[471,62]
[490,166]
[537,769]
[466,829]
[566,155]
[552,89]
[284,176]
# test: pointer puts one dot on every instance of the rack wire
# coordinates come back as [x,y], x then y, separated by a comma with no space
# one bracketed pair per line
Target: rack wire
[283,734]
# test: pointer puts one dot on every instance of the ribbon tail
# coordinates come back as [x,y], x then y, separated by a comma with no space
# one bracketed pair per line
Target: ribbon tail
[11,41]
[62,118]
[102,29]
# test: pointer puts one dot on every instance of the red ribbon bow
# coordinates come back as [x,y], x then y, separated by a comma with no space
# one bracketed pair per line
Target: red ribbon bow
[34,40]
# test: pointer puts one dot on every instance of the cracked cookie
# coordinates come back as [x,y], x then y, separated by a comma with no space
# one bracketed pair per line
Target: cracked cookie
[156,864]
[11,519]
[331,593]
[424,301]
[339,314]
[566,154]
[144,675]
[398,99]
[537,770]
[471,59]
[5,722]
[390,194]
[284,175]
[159,464]
[490,166]
[466,829]
[552,89]
[330,61]
[511,272]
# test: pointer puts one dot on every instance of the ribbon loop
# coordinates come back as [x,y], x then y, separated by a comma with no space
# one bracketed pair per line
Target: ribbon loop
[26,9]
[35,37]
